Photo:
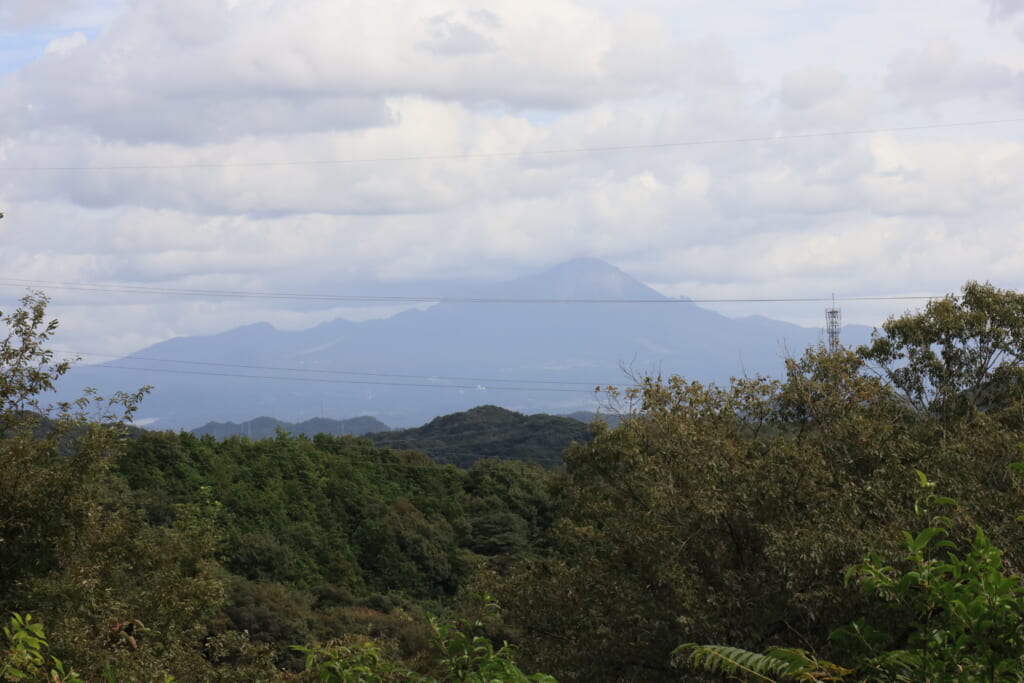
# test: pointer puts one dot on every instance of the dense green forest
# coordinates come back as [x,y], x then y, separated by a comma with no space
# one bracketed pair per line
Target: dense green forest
[489,432]
[857,519]
[459,439]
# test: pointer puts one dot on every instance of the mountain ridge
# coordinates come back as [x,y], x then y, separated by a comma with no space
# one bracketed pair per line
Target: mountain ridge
[408,368]
[265,427]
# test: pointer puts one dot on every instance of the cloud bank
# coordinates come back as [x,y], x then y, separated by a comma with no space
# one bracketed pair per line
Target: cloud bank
[224,120]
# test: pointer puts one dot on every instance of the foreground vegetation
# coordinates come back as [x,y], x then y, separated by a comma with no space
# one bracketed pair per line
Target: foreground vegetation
[776,529]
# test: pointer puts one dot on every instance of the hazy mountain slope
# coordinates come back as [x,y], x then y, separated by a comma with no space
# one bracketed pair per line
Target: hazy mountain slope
[392,369]
[588,416]
[266,427]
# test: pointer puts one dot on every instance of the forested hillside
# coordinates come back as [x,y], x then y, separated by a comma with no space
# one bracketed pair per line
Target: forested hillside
[855,520]
[489,432]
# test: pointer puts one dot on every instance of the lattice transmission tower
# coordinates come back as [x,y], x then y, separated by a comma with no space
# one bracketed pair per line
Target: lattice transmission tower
[833,324]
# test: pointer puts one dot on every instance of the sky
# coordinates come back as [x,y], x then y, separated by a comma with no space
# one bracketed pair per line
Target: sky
[395,147]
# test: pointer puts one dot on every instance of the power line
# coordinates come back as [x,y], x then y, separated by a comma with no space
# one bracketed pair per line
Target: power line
[513,154]
[344,381]
[112,288]
[326,371]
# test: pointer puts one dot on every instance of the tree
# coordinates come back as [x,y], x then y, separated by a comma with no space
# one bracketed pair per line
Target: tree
[27,369]
[74,551]
[959,365]
[699,495]
[958,356]
[41,493]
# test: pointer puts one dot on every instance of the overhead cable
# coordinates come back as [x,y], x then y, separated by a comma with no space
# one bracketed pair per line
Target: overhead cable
[322,380]
[113,288]
[325,371]
[510,153]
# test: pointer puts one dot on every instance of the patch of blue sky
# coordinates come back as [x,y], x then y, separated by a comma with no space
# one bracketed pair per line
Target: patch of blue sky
[537,117]
[542,117]
[22,48]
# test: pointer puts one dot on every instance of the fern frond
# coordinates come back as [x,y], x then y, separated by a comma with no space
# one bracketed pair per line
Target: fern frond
[776,664]
[804,667]
[732,660]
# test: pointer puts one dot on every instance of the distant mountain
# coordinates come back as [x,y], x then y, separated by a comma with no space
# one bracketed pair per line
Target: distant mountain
[489,432]
[586,417]
[266,427]
[528,357]
[584,278]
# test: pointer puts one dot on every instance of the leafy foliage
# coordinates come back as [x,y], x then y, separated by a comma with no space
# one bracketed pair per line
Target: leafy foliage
[960,620]
[470,657]
[361,662]
[957,356]
[463,654]
[28,367]
[25,655]
[961,610]
[701,493]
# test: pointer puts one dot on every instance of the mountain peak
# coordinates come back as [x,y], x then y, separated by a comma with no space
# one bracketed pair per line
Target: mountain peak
[582,278]
[584,265]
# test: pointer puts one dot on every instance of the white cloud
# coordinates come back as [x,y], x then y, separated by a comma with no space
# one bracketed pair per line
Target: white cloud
[811,87]
[172,82]
[935,73]
[65,44]
[203,71]
[452,34]
[15,14]
[1005,9]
